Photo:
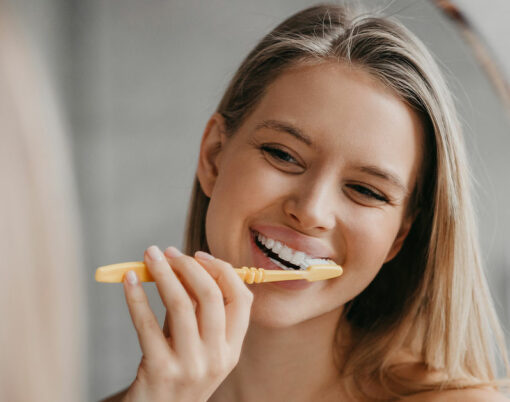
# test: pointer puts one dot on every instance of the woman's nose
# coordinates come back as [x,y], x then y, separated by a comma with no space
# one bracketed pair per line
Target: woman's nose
[311,206]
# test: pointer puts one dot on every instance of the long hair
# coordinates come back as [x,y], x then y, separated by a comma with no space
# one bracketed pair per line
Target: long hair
[41,300]
[436,305]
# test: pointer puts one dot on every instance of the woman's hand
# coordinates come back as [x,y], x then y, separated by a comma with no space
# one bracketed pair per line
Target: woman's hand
[208,309]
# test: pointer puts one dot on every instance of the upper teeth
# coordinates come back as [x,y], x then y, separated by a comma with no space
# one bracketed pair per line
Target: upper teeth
[288,254]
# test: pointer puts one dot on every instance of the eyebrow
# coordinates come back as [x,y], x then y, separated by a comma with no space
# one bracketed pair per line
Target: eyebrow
[298,134]
[286,128]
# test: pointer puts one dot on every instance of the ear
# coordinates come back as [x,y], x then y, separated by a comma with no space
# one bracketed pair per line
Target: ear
[401,236]
[211,147]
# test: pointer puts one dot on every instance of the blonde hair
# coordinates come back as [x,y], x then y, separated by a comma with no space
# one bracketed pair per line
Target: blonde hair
[437,305]
[40,293]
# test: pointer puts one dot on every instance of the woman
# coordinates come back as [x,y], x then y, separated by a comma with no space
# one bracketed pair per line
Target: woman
[337,137]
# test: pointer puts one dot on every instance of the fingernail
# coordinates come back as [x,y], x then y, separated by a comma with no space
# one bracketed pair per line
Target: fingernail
[131,277]
[202,255]
[172,252]
[155,253]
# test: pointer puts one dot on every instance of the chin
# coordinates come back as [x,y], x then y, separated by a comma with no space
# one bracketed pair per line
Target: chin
[269,317]
[271,310]
[274,310]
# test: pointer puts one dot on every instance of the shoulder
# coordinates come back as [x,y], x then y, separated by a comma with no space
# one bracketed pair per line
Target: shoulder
[462,395]
[413,369]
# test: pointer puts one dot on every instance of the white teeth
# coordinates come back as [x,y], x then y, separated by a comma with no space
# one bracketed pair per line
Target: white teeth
[277,247]
[286,253]
[298,258]
[318,261]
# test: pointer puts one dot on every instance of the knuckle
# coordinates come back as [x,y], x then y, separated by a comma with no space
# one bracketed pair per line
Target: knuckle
[179,305]
[168,373]
[211,294]
[184,260]
[159,272]
[216,370]
[136,300]
[220,367]
[182,263]
[164,373]
[222,362]
[223,265]
[164,369]
[148,324]
[195,373]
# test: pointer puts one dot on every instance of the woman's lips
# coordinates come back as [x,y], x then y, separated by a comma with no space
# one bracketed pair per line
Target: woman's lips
[261,260]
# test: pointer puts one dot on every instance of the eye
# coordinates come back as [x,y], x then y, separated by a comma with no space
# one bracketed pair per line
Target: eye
[281,159]
[279,154]
[367,193]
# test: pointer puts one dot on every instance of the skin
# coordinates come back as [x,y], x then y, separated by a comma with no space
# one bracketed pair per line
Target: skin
[319,191]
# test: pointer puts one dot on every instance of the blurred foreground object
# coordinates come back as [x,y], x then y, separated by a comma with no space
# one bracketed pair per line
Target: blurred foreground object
[41,296]
[492,68]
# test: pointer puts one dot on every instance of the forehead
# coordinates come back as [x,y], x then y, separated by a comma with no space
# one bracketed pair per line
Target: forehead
[334,94]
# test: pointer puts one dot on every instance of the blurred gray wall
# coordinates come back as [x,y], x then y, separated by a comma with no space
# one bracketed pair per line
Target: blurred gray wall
[138,81]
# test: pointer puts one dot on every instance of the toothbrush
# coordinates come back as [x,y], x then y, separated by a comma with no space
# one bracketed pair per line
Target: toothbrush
[115,273]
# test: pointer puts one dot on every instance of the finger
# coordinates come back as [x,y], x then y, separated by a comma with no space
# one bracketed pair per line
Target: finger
[166,330]
[182,322]
[150,337]
[237,297]
[210,310]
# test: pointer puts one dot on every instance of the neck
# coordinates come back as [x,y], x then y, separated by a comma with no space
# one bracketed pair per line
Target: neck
[295,363]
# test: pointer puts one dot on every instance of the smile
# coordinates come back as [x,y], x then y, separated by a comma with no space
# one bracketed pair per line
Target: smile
[284,256]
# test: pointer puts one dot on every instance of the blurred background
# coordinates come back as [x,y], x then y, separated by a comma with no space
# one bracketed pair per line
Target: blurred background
[135,83]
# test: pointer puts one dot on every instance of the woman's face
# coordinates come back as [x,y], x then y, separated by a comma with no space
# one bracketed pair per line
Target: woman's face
[324,164]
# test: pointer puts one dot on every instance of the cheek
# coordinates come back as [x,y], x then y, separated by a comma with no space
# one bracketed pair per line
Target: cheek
[369,236]
[247,184]
[371,233]
[243,192]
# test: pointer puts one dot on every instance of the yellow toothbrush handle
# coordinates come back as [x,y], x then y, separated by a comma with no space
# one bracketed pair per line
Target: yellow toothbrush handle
[115,273]
[260,275]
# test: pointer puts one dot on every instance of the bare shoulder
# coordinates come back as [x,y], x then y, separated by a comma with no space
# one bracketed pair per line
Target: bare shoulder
[463,395]
[413,369]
